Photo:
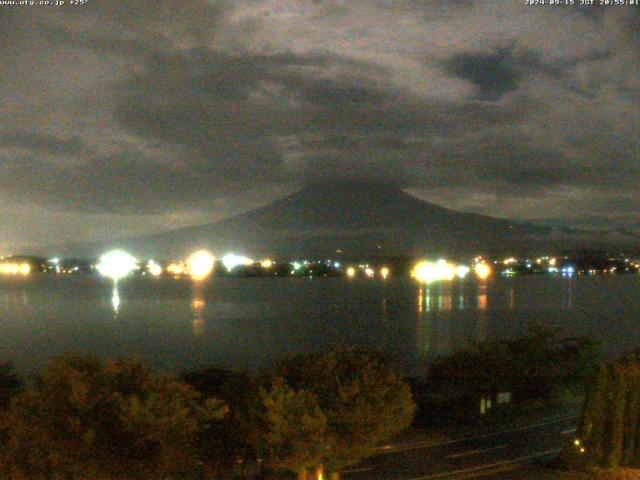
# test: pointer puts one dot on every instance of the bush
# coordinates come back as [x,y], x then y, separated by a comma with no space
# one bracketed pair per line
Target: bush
[609,431]
[537,366]
[365,402]
[84,419]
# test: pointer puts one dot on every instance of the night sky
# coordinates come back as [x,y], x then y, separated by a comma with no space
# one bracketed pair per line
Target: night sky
[125,118]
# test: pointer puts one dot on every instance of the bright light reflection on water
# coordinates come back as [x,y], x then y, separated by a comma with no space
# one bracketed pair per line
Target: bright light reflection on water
[177,324]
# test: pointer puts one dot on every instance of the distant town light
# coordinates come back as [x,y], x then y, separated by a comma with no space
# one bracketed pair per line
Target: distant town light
[116,264]
[231,260]
[175,268]
[483,270]
[425,272]
[267,263]
[153,268]
[384,272]
[462,271]
[369,272]
[351,272]
[200,264]
[15,268]
[428,272]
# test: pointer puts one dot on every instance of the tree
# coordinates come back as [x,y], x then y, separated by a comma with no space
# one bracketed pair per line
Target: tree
[536,366]
[232,439]
[293,436]
[609,431]
[365,402]
[85,419]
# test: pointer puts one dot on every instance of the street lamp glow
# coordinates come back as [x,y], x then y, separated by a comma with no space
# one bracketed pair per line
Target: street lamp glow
[445,270]
[351,272]
[384,273]
[425,272]
[153,268]
[116,264]
[483,270]
[462,271]
[267,263]
[230,261]
[200,264]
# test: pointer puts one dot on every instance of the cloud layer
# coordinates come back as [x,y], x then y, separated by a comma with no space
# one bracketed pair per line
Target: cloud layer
[146,115]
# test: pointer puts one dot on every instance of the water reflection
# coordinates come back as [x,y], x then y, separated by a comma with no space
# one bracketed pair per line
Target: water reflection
[568,292]
[198,305]
[512,297]
[424,324]
[482,296]
[115,299]
[481,325]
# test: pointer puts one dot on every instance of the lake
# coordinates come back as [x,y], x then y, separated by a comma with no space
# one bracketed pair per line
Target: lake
[175,324]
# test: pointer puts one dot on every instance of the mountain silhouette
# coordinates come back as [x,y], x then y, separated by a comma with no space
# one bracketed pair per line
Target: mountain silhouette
[354,219]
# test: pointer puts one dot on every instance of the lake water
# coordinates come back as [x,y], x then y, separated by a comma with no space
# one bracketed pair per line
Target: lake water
[251,322]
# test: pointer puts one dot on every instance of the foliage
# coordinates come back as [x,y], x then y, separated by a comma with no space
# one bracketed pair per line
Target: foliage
[85,419]
[536,366]
[293,436]
[232,439]
[363,400]
[609,432]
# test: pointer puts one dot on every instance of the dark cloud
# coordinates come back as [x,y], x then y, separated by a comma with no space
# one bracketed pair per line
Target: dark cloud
[154,108]
[42,142]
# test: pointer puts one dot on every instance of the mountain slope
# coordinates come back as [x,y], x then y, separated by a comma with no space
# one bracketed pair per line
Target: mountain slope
[355,218]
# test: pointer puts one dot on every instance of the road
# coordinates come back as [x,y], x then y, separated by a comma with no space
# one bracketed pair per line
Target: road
[482,454]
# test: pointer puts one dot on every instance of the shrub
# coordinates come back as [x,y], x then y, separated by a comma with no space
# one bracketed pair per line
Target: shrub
[85,419]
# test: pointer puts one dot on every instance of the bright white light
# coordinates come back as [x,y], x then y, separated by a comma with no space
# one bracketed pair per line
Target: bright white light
[116,264]
[369,272]
[384,272]
[200,264]
[425,272]
[462,271]
[267,263]
[296,265]
[428,272]
[115,300]
[153,268]
[230,261]
[446,270]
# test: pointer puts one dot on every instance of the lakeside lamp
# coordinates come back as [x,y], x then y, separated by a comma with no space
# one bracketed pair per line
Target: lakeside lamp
[425,272]
[231,260]
[384,273]
[462,271]
[483,271]
[445,270]
[200,264]
[116,264]
[154,268]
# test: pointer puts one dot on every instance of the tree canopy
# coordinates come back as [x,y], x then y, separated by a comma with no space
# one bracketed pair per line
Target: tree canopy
[82,418]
